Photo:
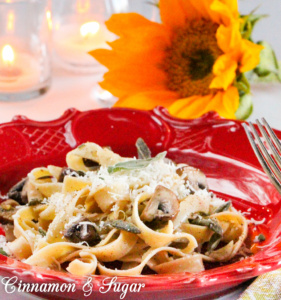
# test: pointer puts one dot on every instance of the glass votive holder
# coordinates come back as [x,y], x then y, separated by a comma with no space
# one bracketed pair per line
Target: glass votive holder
[25,69]
[78,27]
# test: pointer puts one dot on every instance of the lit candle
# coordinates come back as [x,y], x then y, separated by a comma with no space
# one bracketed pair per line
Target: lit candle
[18,72]
[8,73]
[73,42]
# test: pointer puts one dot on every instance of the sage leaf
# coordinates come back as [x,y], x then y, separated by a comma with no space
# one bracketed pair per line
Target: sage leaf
[123,225]
[210,223]
[223,207]
[135,164]
[143,150]
[261,238]
[3,252]
[42,231]
[34,202]
[214,242]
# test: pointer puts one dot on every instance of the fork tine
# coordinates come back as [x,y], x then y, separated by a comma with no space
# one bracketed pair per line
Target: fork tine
[265,153]
[272,134]
[263,163]
[269,143]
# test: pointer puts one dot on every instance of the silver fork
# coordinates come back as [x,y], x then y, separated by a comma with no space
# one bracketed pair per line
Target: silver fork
[272,167]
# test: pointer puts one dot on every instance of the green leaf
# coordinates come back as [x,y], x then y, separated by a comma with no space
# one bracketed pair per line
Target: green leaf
[34,202]
[268,63]
[210,223]
[143,150]
[249,22]
[245,108]
[223,207]
[214,242]
[42,231]
[135,164]
[242,84]
[3,252]
[261,238]
[123,225]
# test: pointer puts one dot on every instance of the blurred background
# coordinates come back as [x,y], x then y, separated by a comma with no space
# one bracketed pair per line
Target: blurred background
[80,91]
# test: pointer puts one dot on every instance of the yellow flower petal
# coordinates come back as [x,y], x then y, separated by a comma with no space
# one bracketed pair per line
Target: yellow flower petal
[148,100]
[229,37]
[250,56]
[225,71]
[157,63]
[173,13]
[224,103]
[203,7]
[120,24]
[224,11]
[133,79]
[189,108]
[231,102]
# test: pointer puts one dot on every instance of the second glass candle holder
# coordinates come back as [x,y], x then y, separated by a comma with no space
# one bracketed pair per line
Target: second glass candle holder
[78,27]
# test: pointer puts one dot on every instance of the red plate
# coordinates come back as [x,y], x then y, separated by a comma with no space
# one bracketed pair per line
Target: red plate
[219,147]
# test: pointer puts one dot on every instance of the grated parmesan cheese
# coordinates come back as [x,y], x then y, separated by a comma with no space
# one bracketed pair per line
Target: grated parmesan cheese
[3,244]
[253,221]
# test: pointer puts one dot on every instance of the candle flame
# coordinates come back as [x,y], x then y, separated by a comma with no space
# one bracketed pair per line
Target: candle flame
[11,21]
[8,55]
[49,19]
[89,29]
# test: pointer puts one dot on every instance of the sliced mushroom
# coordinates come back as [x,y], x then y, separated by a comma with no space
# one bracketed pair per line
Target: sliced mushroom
[18,192]
[83,231]
[91,164]
[68,171]
[7,210]
[123,225]
[195,177]
[163,205]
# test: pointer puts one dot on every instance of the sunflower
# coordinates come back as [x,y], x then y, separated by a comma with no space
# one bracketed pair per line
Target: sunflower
[189,63]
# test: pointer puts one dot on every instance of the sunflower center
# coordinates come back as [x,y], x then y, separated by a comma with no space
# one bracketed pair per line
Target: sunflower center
[201,64]
[190,58]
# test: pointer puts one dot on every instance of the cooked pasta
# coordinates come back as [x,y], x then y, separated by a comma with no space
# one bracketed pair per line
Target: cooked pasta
[111,215]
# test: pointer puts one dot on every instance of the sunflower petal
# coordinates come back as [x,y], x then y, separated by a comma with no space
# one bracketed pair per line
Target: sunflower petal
[224,11]
[229,37]
[148,100]
[250,55]
[120,24]
[224,103]
[202,7]
[120,59]
[190,10]
[231,103]
[172,13]
[225,71]
[191,107]
[133,79]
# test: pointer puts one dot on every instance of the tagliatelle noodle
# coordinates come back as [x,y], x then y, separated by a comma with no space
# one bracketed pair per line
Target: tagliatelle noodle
[137,270]
[158,239]
[85,265]
[49,229]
